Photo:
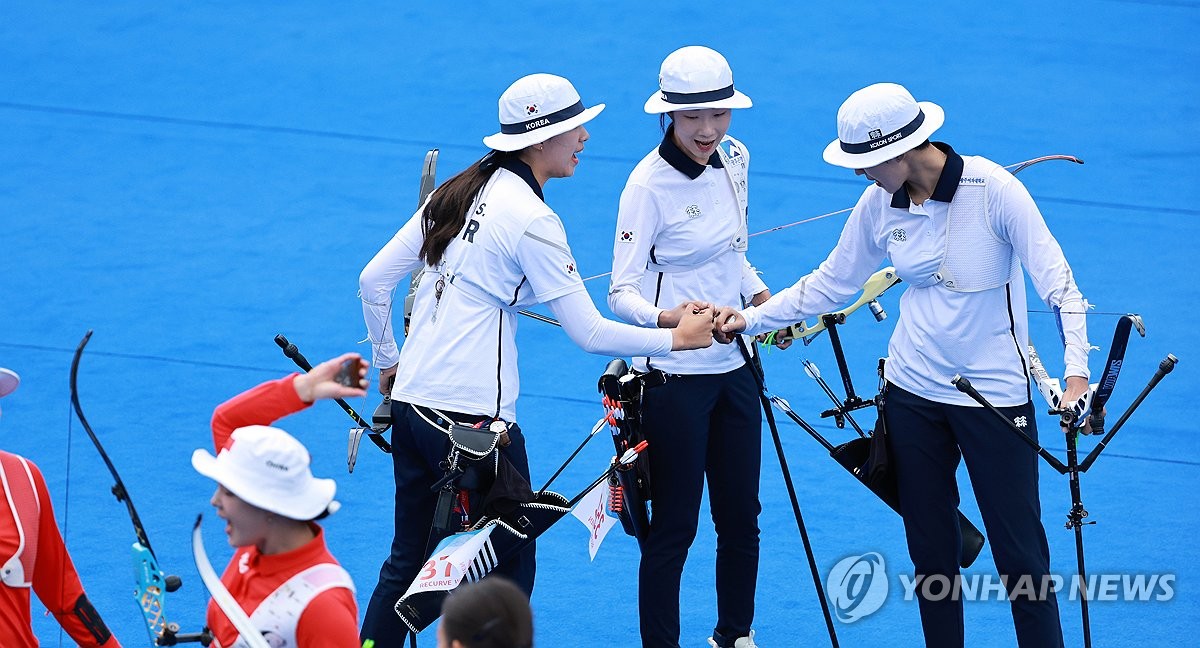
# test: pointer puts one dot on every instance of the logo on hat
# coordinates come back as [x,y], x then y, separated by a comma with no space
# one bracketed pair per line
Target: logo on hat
[878,123]
[535,108]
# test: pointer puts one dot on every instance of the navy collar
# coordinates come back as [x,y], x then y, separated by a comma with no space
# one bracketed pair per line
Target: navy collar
[680,160]
[514,164]
[947,182]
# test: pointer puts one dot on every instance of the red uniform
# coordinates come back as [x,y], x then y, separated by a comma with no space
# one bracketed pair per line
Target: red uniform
[33,556]
[331,617]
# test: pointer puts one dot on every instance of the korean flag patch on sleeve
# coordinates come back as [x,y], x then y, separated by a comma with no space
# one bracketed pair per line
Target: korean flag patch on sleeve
[625,236]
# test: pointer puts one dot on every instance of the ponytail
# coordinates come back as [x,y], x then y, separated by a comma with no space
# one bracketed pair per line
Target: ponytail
[446,212]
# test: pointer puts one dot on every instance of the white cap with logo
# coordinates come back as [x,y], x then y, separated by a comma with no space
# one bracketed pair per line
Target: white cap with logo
[878,123]
[535,108]
[268,468]
[694,78]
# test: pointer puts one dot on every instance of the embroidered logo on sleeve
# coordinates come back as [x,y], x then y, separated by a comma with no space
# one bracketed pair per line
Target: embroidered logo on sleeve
[625,236]
[570,268]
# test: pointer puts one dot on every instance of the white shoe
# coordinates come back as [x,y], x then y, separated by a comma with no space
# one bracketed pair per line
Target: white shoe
[740,642]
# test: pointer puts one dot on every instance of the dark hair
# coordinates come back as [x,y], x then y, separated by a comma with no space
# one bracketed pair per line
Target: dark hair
[446,212]
[493,613]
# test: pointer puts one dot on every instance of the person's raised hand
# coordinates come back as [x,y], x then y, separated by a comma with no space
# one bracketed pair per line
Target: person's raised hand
[322,381]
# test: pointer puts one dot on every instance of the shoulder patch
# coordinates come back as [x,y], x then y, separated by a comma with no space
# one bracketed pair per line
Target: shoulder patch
[626,236]
[971,180]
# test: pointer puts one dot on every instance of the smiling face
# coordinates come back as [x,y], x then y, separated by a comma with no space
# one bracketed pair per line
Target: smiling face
[697,132]
[245,524]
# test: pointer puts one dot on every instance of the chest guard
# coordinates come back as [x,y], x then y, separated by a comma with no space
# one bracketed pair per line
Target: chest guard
[279,614]
[26,509]
[975,257]
[737,166]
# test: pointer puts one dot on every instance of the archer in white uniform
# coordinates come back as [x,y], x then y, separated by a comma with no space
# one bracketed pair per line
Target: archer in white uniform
[958,229]
[488,245]
[681,234]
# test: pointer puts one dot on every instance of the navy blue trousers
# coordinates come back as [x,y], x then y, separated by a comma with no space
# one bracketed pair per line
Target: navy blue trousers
[926,441]
[701,426]
[417,451]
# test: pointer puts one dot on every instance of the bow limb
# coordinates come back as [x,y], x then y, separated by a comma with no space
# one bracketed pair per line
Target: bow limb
[872,289]
[428,181]
[886,278]
[248,634]
[799,330]
[1020,166]
[1014,168]
[151,582]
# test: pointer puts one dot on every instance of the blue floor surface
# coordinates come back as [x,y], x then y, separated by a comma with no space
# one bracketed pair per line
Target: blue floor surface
[191,178]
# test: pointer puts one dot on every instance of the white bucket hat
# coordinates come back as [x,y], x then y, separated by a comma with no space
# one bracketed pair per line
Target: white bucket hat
[9,380]
[536,108]
[268,468]
[692,78]
[878,123]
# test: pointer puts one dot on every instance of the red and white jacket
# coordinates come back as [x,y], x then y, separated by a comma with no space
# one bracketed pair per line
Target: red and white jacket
[302,596]
[33,557]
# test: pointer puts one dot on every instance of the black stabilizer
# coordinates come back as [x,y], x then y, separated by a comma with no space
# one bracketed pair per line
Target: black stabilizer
[1165,367]
[760,380]
[963,385]
[292,352]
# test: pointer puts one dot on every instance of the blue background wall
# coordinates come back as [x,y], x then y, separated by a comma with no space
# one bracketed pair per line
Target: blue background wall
[190,179]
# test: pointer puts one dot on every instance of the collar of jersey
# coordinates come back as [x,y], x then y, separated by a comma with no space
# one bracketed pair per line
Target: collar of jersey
[947,183]
[515,165]
[678,159]
[299,558]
